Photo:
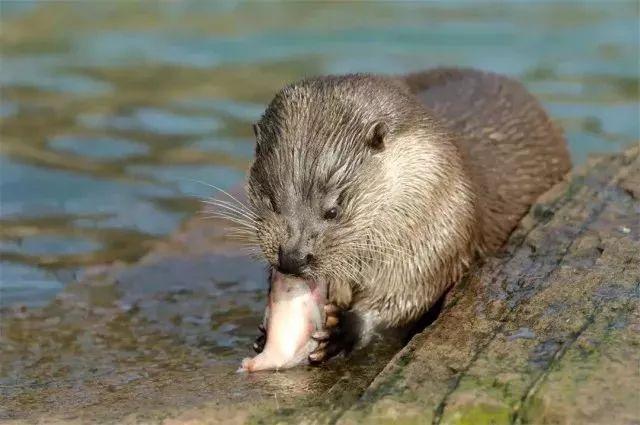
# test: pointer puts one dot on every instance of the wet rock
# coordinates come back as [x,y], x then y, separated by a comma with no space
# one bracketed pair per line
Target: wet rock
[159,341]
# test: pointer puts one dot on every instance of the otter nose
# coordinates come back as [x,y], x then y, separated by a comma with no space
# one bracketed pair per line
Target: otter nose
[292,261]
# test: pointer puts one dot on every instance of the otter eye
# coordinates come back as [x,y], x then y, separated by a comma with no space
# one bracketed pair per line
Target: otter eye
[331,213]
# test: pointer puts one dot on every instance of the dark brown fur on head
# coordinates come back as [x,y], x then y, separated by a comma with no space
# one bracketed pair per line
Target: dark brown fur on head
[332,156]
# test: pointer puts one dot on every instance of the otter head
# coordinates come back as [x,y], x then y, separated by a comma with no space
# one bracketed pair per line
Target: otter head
[338,160]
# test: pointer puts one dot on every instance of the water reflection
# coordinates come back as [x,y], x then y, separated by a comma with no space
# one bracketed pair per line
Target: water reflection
[109,111]
[149,120]
[98,148]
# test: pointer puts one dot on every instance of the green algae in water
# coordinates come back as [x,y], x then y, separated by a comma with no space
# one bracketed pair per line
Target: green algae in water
[482,414]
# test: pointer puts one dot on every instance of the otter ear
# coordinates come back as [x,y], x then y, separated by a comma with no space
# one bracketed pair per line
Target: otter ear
[377,135]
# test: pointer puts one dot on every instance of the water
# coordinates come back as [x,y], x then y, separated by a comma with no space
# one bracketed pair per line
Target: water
[111,112]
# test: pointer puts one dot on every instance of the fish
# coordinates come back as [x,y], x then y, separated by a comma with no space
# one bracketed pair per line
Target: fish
[295,310]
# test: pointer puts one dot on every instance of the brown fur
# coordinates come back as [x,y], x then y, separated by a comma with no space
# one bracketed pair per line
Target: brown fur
[511,147]
[428,170]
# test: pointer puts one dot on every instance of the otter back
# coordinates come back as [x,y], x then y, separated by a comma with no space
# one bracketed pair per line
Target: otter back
[512,149]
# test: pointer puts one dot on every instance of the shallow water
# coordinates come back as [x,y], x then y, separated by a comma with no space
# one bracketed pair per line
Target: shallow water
[112,113]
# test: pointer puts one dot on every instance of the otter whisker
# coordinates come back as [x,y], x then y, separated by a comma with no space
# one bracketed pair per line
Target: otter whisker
[226,215]
[384,241]
[334,267]
[245,242]
[231,209]
[249,249]
[380,250]
[372,259]
[383,248]
[230,206]
[244,233]
[381,258]
[380,261]
[388,257]
[242,225]
[396,248]
[341,271]
[237,206]
[349,267]
[375,249]
[241,204]
[243,239]
[374,246]
[229,216]
[247,246]
[232,219]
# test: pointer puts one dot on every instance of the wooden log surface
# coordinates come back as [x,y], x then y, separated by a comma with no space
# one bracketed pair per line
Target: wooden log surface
[548,332]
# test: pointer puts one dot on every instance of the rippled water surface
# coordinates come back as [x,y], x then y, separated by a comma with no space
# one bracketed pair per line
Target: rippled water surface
[110,113]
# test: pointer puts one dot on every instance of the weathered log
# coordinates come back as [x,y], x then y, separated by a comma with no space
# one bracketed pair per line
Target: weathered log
[549,332]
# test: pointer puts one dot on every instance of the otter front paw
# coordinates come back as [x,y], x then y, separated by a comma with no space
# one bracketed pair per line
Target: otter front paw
[258,345]
[330,338]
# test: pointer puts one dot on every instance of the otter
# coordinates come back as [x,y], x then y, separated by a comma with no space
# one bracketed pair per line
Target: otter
[389,187]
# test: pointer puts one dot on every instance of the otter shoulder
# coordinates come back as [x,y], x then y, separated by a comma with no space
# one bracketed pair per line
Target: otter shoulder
[511,147]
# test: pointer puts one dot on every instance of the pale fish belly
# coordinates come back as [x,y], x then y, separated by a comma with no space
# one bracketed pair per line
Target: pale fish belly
[295,312]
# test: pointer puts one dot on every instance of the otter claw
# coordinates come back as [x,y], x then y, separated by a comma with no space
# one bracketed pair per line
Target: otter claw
[331,309]
[331,321]
[321,335]
[329,340]
[325,351]
[331,314]
[317,356]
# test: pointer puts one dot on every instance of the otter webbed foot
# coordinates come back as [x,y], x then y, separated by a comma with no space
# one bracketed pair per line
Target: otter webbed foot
[258,345]
[330,339]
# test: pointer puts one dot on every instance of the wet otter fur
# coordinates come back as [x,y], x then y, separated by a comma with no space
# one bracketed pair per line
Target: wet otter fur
[389,187]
